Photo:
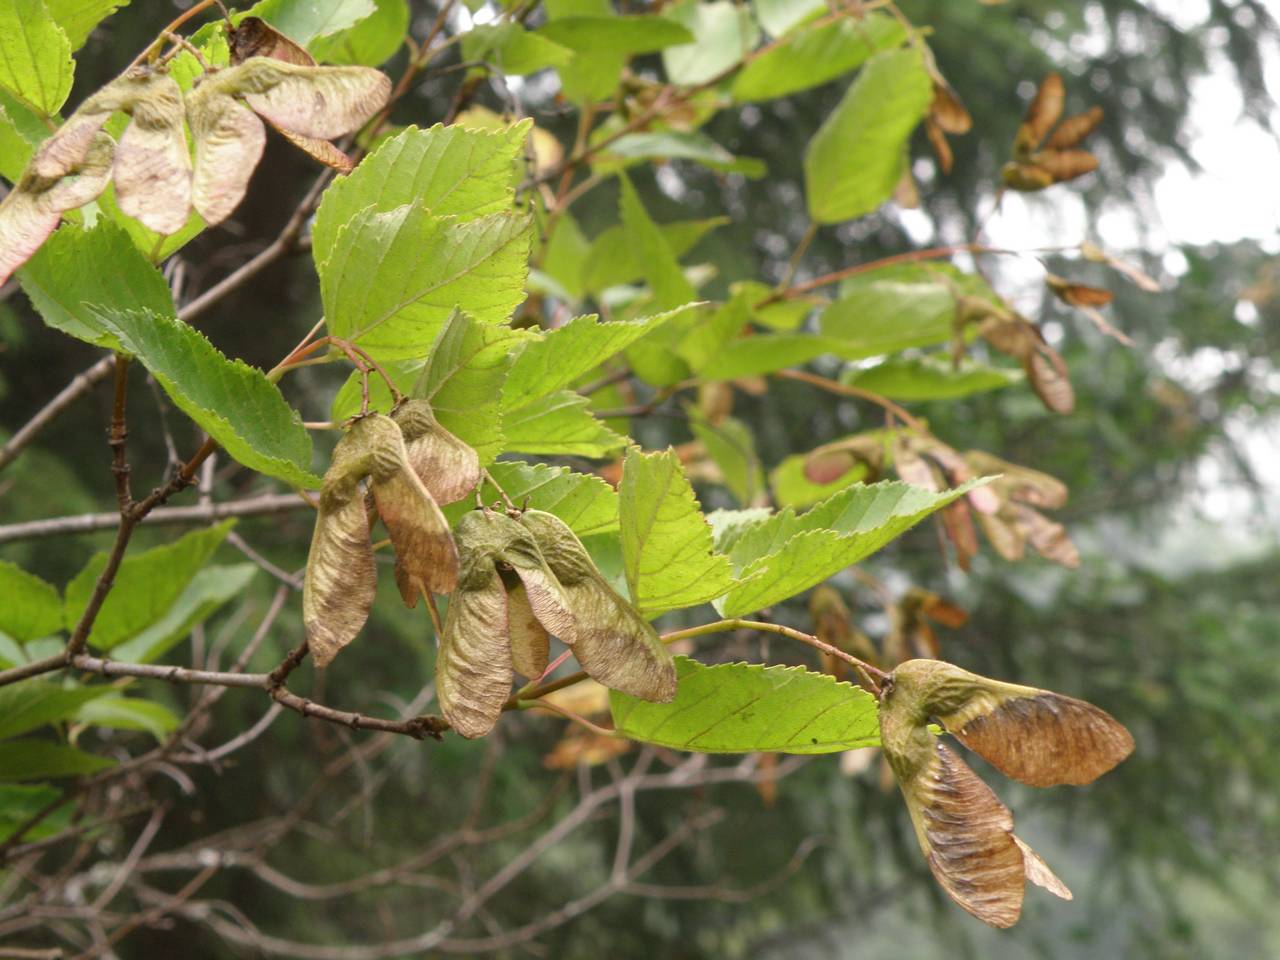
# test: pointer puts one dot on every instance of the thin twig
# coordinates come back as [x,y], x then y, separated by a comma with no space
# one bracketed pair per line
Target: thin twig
[270,503]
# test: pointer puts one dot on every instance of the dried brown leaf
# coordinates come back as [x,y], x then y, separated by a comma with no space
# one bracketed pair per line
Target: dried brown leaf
[229,140]
[1074,129]
[153,166]
[612,642]
[449,468]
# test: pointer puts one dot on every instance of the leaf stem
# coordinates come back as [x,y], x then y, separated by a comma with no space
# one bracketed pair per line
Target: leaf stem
[174,24]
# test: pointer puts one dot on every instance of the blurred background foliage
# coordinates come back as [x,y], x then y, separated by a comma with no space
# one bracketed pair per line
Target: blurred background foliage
[1171,622]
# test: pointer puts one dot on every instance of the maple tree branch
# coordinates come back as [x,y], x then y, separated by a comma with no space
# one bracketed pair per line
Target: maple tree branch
[80,384]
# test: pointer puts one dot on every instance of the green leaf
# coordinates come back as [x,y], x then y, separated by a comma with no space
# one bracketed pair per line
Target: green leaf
[789,553]
[732,448]
[666,541]
[30,704]
[791,488]
[463,379]
[129,713]
[371,42]
[748,707]
[395,278]
[15,147]
[208,590]
[32,608]
[894,308]
[451,171]
[78,270]
[35,56]
[613,259]
[783,315]
[926,378]
[767,352]
[615,35]
[19,803]
[713,331]
[559,424]
[78,17]
[723,34]
[304,20]
[675,145]
[856,158]
[582,500]
[565,254]
[40,759]
[146,585]
[650,247]
[513,49]
[561,356]
[815,55]
[780,16]
[233,402]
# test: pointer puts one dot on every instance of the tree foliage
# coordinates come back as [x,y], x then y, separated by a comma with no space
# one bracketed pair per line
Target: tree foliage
[513,314]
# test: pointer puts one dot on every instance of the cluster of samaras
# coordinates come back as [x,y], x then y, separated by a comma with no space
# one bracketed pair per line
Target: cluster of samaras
[515,577]
[158,179]
[1036,736]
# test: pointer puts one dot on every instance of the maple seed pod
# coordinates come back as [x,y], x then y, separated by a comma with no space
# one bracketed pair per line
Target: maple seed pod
[307,101]
[474,665]
[341,579]
[1025,177]
[254,37]
[229,140]
[153,166]
[426,558]
[1042,113]
[312,101]
[964,831]
[1074,129]
[1077,294]
[449,468]
[34,206]
[1038,737]
[1064,165]
[611,640]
